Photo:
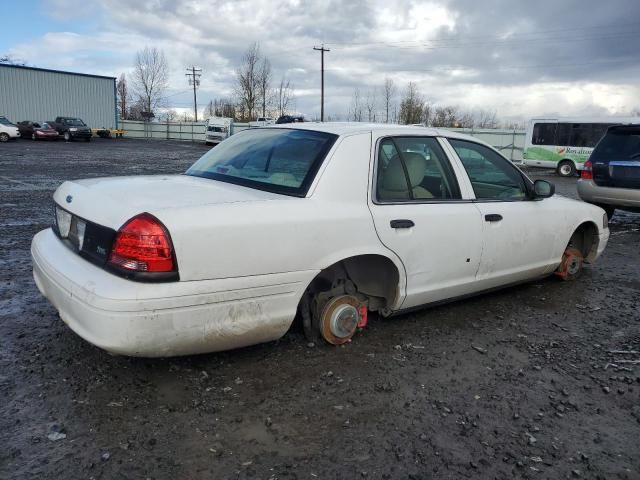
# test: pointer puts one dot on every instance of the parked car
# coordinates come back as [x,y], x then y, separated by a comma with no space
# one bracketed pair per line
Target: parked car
[37,130]
[611,176]
[290,119]
[72,128]
[325,221]
[8,130]
[262,122]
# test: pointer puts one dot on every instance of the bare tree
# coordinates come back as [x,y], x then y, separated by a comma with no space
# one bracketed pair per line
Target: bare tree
[355,112]
[284,96]
[427,113]
[265,84]
[248,81]
[209,110]
[446,116]
[370,104]
[412,105]
[486,119]
[465,120]
[517,124]
[123,96]
[170,115]
[389,93]
[150,77]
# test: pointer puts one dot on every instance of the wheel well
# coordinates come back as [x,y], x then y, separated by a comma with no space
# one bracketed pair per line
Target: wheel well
[585,239]
[567,160]
[373,276]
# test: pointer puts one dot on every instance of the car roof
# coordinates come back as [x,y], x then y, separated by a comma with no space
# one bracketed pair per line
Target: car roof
[626,126]
[379,129]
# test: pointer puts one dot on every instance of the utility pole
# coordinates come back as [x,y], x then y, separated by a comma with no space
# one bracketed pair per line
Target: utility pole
[194,79]
[322,50]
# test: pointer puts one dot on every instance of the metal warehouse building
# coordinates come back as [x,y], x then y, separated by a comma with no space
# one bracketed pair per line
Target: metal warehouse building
[38,94]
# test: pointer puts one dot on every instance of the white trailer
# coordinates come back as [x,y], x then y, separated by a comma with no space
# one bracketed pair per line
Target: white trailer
[217,129]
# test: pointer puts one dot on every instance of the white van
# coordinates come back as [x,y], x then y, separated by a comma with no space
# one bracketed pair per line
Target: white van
[565,143]
[8,130]
[217,129]
[262,122]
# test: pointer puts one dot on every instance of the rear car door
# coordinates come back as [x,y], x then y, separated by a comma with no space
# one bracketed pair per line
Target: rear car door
[421,213]
[519,235]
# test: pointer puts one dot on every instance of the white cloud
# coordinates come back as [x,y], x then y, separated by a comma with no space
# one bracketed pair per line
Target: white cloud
[492,55]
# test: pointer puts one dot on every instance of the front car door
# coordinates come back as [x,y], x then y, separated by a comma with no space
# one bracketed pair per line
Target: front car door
[421,213]
[520,234]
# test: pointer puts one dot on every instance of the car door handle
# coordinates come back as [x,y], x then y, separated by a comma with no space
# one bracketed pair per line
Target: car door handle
[403,223]
[493,217]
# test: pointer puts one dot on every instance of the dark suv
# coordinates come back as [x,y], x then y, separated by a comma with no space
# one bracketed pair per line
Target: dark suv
[290,119]
[611,176]
[72,128]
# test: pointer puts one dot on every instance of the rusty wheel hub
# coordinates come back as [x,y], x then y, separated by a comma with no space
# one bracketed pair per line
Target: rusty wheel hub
[571,264]
[340,318]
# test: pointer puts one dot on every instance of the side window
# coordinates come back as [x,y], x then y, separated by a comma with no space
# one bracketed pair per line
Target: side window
[492,176]
[586,134]
[414,168]
[563,134]
[544,134]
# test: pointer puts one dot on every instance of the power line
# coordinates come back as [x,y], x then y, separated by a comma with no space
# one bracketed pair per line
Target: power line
[322,50]
[194,79]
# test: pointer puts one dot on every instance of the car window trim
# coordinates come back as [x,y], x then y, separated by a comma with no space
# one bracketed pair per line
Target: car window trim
[528,184]
[374,183]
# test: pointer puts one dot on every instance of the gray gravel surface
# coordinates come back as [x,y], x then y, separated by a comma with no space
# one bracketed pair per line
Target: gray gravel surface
[514,384]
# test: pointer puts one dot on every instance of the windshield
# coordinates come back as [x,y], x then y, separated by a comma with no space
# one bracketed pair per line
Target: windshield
[621,143]
[278,160]
[4,121]
[74,122]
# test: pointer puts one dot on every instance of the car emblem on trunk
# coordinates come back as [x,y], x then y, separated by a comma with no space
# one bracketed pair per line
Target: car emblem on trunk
[69,199]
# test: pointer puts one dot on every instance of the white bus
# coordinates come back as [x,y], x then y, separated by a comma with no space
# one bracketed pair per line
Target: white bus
[565,143]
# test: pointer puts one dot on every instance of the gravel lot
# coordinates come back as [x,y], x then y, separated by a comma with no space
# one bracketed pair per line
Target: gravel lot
[515,384]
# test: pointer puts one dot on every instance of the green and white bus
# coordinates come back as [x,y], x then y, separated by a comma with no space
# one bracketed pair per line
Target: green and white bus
[565,143]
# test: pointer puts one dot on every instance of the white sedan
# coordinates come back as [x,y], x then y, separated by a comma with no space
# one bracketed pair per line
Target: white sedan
[326,222]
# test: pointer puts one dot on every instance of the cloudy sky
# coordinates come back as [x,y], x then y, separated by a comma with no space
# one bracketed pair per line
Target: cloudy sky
[520,58]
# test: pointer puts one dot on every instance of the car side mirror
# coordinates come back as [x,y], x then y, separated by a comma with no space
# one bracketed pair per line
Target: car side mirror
[543,189]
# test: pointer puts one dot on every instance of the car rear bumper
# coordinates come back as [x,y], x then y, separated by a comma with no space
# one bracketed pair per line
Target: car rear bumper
[163,319]
[618,197]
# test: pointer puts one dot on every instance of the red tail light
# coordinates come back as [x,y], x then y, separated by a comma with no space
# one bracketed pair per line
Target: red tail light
[587,172]
[143,245]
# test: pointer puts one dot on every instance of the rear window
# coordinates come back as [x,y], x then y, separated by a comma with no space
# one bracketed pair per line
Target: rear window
[74,122]
[619,144]
[277,160]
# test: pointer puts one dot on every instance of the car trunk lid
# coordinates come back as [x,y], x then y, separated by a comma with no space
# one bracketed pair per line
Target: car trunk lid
[88,213]
[114,200]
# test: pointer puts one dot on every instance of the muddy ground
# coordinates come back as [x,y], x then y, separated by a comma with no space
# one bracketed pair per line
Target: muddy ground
[515,384]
